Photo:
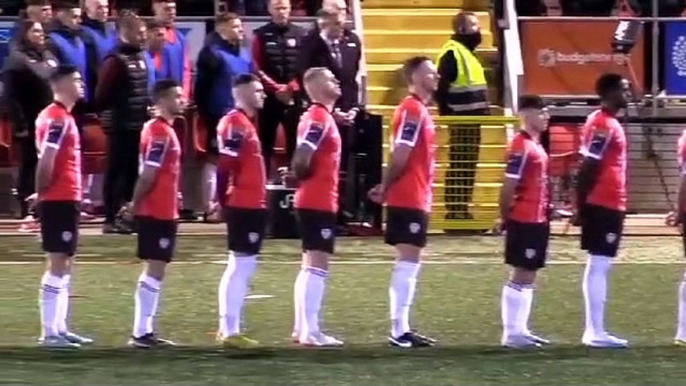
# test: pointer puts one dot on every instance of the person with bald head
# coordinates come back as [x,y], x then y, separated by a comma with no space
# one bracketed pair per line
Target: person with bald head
[275,50]
[315,166]
[462,91]
[98,37]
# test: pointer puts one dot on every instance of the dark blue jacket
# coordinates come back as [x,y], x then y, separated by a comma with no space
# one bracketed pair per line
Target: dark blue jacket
[69,49]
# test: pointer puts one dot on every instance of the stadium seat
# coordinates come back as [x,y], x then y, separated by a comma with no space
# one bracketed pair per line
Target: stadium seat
[564,149]
[94,146]
[7,157]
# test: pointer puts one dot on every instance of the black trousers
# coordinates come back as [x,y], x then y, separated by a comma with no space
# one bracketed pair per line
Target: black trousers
[273,114]
[122,171]
[464,156]
[26,176]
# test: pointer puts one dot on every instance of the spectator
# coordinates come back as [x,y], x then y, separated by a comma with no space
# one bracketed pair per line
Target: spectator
[174,62]
[220,61]
[37,11]
[27,92]
[99,39]
[462,91]
[338,49]
[123,89]
[275,51]
[155,41]
[64,38]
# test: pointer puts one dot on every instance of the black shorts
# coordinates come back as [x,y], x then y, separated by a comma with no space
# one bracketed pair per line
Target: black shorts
[601,230]
[317,230]
[59,226]
[156,238]
[406,226]
[526,244]
[245,229]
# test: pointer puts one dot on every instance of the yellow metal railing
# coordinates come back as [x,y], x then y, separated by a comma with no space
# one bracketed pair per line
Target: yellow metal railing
[470,162]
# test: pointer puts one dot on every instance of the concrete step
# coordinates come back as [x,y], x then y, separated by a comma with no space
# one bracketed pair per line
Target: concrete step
[379,95]
[420,18]
[399,55]
[387,110]
[408,39]
[389,75]
[468,4]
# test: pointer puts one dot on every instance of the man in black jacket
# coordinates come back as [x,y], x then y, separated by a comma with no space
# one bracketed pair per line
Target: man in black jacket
[275,51]
[27,92]
[123,89]
[338,49]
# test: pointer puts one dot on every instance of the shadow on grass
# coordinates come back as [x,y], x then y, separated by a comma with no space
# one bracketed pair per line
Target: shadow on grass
[329,355]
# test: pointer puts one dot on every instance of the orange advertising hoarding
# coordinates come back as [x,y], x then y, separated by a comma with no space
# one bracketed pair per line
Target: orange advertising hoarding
[566,57]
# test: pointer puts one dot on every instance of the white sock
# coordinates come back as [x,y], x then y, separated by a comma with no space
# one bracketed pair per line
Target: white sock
[401,293]
[63,305]
[233,288]
[512,303]
[314,285]
[298,296]
[48,301]
[525,311]
[681,326]
[146,300]
[595,293]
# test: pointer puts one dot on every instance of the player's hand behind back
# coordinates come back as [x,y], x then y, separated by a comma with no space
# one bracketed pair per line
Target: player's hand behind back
[377,194]
[287,177]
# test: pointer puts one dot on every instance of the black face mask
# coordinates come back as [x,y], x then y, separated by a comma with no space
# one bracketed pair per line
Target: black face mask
[471,41]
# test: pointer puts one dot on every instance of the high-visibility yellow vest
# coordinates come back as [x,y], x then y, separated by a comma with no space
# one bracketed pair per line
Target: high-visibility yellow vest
[469,92]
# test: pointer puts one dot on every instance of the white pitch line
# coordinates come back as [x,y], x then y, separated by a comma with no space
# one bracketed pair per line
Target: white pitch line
[349,262]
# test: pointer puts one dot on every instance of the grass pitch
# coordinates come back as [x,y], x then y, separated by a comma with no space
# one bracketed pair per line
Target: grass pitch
[458,302]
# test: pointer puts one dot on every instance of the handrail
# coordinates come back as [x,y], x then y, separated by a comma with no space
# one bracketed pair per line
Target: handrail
[514,64]
[359,28]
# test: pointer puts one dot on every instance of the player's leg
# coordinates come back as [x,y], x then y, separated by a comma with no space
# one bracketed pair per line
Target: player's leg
[156,243]
[59,229]
[246,232]
[601,234]
[318,239]
[680,338]
[406,231]
[526,248]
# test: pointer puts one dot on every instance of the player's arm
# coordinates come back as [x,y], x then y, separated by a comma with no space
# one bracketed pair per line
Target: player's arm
[681,196]
[230,143]
[48,154]
[516,161]
[152,162]
[308,143]
[590,164]
[405,140]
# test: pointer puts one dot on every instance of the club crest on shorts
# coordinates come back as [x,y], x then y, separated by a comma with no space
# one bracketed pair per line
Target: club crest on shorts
[253,237]
[164,243]
[326,233]
[611,238]
[530,253]
[67,236]
[415,227]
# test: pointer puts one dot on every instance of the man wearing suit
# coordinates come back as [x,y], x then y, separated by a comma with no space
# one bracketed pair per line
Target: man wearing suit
[332,46]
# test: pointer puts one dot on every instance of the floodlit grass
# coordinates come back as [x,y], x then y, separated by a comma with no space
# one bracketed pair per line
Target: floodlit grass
[458,303]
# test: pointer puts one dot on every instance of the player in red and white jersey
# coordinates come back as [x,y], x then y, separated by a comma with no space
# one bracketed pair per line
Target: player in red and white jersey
[241,189]
[524,206]
[155,208]
[406,190]
[678,218]
[58,184]
[315,164]
[601,202]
